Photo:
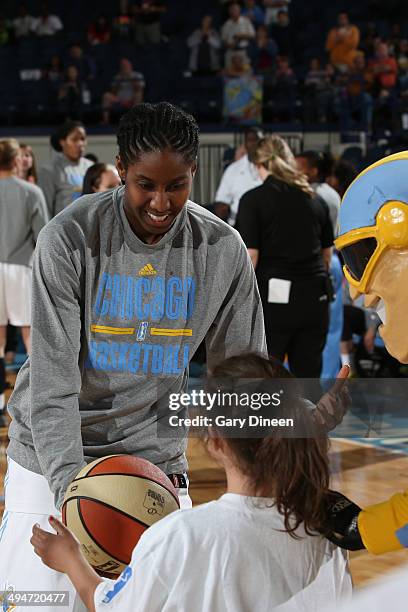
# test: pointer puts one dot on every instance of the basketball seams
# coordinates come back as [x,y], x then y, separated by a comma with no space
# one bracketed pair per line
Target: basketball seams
[102,503]
[91,536]
[97,463]
[176,499]
[88,468]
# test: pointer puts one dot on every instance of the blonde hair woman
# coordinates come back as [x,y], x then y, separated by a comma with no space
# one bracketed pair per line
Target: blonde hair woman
[288,233]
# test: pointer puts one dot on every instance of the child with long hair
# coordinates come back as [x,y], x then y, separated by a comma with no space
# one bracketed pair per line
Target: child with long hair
[255,548]
[28,168]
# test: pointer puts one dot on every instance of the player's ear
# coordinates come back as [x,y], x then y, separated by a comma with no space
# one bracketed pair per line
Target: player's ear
[121,169]
[194,168]
[216,446]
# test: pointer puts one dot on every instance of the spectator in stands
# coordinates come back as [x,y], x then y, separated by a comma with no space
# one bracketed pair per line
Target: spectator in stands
[318,93]
[205,44]
[22,24]
[61,180]
[384,69]
[4,32]
[342,42]
[147,26]
[54,72]
[402,61]
[356,103]
[283,34]
[123,22]
[254,12]
[236,33]
[369,39]
[273,8]
[238,67]
[395,38]
[47,24]
[263,51]
[84,64]
[27,168]
[100,31]
[127,89]
[284,94]
[70,94]
[20,224]
[100,177]
[237,179]
[289,237]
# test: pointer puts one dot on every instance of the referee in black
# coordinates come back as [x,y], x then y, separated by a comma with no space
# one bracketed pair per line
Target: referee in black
[289,237]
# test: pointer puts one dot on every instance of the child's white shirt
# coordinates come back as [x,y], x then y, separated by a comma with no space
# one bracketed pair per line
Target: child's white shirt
[228,555]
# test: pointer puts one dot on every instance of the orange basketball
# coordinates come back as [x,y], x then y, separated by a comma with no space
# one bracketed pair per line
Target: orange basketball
[111,503]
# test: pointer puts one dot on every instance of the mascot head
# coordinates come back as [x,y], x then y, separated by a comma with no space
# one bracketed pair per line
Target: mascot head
[373,242]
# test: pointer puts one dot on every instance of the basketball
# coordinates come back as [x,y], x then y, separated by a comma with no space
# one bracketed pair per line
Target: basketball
[111,503]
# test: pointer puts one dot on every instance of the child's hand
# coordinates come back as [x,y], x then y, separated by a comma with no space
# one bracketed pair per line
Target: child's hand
[334,404]
[58,551]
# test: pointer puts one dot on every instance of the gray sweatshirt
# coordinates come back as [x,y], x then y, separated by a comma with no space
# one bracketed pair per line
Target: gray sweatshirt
[115,323]
[61,181]
[23,213]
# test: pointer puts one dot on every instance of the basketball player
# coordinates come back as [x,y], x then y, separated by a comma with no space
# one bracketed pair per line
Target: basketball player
[62,179]
[23,213]
[237,553]
[126,285]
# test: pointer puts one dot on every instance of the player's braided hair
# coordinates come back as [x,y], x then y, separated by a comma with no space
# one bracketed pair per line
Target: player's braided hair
[155,127]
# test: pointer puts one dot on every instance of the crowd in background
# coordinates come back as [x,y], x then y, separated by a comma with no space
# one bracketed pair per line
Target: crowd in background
[357,79]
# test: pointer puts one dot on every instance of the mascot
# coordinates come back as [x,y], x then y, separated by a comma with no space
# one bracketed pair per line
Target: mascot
[373,243]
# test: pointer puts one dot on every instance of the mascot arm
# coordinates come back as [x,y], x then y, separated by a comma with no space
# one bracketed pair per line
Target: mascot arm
[384,527]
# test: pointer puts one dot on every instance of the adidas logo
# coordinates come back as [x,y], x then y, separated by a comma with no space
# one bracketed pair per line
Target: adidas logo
[147,270]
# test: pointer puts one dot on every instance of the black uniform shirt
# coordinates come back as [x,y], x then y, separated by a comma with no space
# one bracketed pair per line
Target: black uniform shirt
[288,227]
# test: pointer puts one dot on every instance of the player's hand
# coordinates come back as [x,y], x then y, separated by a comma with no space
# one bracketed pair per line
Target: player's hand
[334,404]
[59,551]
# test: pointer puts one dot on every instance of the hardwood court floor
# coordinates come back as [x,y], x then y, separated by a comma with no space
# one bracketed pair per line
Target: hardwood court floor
[365,474]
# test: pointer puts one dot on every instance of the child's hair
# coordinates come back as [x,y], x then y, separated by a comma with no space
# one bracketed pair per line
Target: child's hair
[274,154]
[32,173]
[93,177]
[146,128]
[292,471]
[9,150]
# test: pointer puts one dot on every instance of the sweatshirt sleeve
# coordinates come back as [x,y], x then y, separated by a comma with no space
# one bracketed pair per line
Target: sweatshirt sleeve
[239,325]
[47,184]
[39,213]
[55,377]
